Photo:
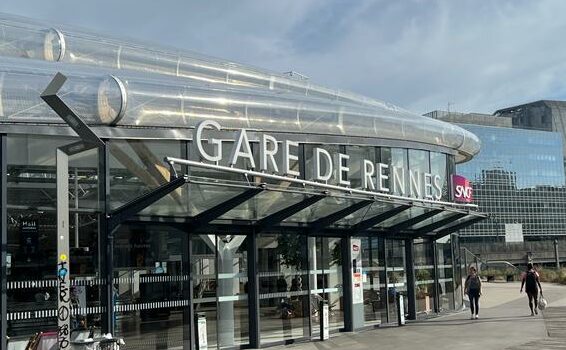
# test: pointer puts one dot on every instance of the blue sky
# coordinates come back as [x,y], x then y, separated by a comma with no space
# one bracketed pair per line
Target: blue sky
[476,55]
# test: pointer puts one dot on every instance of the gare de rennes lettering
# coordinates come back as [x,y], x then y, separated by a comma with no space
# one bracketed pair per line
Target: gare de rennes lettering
[377,177]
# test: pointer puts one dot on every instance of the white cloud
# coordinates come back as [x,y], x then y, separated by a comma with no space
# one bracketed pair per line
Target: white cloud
[480,56]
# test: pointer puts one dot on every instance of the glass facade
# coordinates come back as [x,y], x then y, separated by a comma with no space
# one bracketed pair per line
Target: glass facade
[518,178]
[163,273]
[245,253]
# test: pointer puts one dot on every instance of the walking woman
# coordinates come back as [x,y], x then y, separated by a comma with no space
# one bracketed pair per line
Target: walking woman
[532,285]
[472,288]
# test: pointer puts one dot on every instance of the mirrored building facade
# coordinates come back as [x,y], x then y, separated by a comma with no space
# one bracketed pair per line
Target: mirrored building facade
[176,188]
[518,178]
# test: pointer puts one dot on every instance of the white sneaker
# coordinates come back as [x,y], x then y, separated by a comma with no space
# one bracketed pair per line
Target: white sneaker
[477,317]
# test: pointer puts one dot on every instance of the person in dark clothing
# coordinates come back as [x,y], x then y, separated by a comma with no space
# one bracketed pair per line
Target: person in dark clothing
[532,286]
[472,288]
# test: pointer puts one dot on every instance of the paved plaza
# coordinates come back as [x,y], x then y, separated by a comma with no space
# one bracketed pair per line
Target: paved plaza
[505,323]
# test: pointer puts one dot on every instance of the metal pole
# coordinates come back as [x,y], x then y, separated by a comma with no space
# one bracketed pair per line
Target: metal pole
[253,292]
[106,240]
[76,193]
[436,289]
[410,270]
[556,255]
[347,283]
[188,329]
[4,242]
[63,259]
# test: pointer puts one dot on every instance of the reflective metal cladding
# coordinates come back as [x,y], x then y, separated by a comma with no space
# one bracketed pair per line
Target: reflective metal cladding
[128,84]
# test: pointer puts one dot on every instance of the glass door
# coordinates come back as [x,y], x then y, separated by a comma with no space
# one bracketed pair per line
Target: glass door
[325,271]
[283,287]
[219,267]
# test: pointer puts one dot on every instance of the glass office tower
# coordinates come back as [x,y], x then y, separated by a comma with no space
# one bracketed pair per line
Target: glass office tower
[518,178]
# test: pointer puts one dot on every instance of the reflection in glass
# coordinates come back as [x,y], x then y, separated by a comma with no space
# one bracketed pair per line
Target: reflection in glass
[424,277]
[396,278]
[283,287]
[150,286]
[31,251]
[419,163]
[445,270]
[137,166]
[325,259]
[219,269]
[375,291]
[232,292]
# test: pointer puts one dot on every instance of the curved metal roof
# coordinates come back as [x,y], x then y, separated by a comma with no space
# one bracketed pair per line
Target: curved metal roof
[178,89]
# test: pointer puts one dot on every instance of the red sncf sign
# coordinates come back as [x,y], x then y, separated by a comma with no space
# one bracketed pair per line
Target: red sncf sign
[462,188]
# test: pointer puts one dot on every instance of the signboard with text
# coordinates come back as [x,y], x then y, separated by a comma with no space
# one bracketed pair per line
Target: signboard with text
[357,279]
[462,188]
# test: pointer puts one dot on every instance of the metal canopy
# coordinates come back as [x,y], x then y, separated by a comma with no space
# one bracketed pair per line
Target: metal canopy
[122,213]
[440,223]
[327,207]
[277,217]
[326,221]
[458,225]
[210,214]
[413,221]
[369,223]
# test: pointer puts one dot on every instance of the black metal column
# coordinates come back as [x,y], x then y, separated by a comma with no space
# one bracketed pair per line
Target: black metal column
[189,312]
[436,288]
[410,271]
[347,269]
[4,241]
[106,241]
[383,278]
[253,292]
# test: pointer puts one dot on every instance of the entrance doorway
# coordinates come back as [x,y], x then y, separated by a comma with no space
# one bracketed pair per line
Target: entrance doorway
[326,282]
[220,287]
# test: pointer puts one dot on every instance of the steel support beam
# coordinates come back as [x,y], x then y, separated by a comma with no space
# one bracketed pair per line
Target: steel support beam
[49,95]
[4,242]
[326,221]
[133,207]
[439,224]
[454,228]
[277,217]
[213,213]
[371,222]
[413,221]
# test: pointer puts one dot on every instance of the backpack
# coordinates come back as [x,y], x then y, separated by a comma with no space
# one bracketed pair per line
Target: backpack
[474,282]
[531,280]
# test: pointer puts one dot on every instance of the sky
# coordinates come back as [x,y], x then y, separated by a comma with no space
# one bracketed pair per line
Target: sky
[470,56]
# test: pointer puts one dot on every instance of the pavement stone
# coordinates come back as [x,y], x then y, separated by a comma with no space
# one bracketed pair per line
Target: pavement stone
[505,323]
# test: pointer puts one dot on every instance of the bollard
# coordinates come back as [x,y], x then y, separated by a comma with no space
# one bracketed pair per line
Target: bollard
[324,320]
[556,255]
[400,309]
[201,339]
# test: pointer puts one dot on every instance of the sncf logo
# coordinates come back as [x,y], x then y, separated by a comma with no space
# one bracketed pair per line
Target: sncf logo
[462,189]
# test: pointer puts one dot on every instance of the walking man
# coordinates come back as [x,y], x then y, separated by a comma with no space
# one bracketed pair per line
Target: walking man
[532,286]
